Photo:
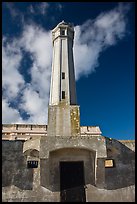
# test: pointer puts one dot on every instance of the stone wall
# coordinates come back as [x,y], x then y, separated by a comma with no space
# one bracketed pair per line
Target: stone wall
[126,194]
[14,166]
[123,172]
[112,183]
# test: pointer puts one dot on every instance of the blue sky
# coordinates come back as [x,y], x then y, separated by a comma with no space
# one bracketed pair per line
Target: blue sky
[104,60]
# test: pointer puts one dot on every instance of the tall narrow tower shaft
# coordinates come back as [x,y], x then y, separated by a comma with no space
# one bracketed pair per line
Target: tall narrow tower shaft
[63,77]
[63,113]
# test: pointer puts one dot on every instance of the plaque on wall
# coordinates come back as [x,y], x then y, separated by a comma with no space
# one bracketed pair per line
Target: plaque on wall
[109,163]
[32,164]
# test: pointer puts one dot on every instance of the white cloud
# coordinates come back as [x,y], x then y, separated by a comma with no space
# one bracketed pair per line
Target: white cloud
[94,36]
[12,80]
[15,13]
[34,105]
[38,42]
[39,8]
[34,96]
[9,114]
[91,38]
[43,7]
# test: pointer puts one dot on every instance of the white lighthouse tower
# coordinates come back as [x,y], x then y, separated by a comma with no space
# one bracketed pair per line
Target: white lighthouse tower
[62,77]
[63,113]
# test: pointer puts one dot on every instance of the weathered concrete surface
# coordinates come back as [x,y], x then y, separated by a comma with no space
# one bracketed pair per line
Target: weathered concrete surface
[31,144]
[93,143]
[93,194]
[129,143]
[14,171]
[123,173]
[14,194]
[126,194]
[42,184]
[63,120]
[51,177]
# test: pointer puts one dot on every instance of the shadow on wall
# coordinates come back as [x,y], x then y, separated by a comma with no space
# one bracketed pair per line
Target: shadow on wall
[14,170]
[122,174]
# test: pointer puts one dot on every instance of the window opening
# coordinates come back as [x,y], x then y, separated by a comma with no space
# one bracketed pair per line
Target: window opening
[63,75]
[63,94]
[62,32]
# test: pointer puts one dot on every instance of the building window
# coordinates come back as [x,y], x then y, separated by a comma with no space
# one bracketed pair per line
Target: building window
[62,32]
[63,75]
[32,164]
[63,94]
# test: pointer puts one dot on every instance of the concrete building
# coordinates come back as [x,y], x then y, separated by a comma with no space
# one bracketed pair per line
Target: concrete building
[63,161]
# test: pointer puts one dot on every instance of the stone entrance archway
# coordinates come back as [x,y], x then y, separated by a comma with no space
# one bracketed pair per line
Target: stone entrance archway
[70,155]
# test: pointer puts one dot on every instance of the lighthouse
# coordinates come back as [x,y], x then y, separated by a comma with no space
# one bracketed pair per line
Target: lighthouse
[63,111]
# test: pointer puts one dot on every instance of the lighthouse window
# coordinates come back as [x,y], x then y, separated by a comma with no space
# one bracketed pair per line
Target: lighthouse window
[63,94]
[63,75]
[62,32]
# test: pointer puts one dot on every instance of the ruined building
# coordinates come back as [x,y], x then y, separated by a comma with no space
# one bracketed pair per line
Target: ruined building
[63,161]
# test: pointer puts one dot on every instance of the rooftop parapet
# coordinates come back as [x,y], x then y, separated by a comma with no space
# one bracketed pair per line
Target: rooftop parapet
[90,130]
[28,128]
[23,127]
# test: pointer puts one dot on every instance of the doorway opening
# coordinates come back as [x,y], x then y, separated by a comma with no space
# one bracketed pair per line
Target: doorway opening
[72,182]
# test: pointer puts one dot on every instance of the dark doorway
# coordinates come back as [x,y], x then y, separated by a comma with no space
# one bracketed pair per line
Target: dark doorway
[72,182]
